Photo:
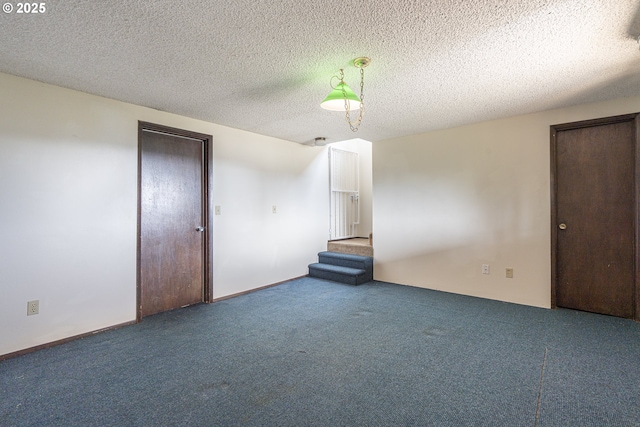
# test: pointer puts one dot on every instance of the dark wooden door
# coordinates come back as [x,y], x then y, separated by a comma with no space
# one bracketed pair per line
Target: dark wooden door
[595,226]
[172,244]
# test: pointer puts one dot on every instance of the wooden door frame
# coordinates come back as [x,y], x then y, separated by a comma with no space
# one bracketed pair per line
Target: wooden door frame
[635,117]
[207,201]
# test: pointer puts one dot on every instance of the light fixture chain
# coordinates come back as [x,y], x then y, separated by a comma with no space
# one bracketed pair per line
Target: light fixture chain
[355,125]
[361,87]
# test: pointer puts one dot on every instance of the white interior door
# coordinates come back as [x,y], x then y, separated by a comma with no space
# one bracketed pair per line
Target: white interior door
[344,197]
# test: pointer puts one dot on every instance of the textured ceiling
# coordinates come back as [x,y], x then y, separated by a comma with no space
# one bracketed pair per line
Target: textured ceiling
[264,66]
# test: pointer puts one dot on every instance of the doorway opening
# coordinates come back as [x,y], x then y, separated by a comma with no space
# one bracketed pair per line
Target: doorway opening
[351,197]
[344,183]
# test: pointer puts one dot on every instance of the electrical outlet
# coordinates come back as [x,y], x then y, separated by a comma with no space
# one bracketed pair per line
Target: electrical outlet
[485,268]
[274,209]
[33,307]
[509,273]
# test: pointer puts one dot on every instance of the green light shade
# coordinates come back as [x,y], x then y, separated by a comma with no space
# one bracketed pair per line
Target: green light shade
[335,100]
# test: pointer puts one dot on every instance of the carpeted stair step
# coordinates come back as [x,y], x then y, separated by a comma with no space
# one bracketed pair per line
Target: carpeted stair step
[344,268]
[347,260]
[337,273]
[355,246]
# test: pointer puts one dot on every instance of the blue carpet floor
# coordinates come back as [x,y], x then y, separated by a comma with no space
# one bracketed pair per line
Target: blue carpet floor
[317,353]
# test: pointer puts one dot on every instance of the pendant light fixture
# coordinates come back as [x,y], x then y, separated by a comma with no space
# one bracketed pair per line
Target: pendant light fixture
[342,98]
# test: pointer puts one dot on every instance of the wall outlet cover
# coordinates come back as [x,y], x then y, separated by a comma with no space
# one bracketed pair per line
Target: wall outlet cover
[33,307]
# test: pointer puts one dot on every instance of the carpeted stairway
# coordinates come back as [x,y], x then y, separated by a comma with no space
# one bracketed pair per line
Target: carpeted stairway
[343,268]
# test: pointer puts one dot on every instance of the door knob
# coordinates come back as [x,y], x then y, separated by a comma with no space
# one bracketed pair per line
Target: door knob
[200,229]
[562,226]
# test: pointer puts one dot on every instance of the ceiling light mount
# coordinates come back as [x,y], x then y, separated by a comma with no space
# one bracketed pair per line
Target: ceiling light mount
[342,98]
[361,62]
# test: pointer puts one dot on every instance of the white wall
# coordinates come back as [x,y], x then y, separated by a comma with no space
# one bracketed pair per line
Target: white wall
[447,202]
[365,151]
[254,247]
[68,190]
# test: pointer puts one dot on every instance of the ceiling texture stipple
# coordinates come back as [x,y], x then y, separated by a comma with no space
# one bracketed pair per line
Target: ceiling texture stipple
[265,66]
